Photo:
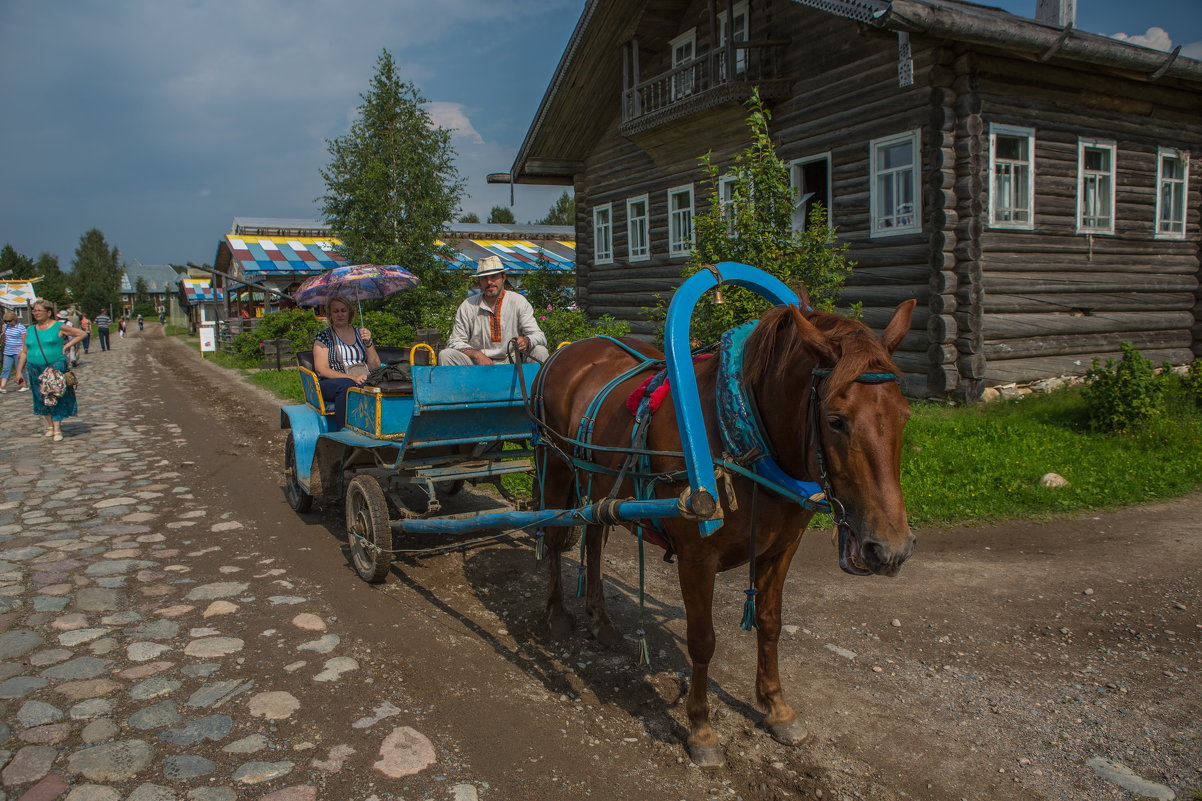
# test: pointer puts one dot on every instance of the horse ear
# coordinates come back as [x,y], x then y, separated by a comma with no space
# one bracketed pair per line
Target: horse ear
[899,326]
[814,339]
[803,296]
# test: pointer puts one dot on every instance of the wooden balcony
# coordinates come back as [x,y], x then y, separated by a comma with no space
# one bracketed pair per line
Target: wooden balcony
[728,74]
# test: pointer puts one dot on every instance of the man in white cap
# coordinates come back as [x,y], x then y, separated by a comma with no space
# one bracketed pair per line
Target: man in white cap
[485,323]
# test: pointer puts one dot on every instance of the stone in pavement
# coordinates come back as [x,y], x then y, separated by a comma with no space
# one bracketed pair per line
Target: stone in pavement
[209,647]
[404,752]
[21,686]
[152,792]
[93,792]
[213,727]
[219,589]
[273,705]
[322,646]
[212,794]
[47,789]
[338,755]
[336,667]
[247,745]
[29,764]
[220,608]
[18,643]
[299,792]
[47,735]
[187,766]
[112,762]
[89,688]
[161,714]
[97,599]
[309,622]
[38,713]
[83,667]
[255,772]
[217,693]
[98,731]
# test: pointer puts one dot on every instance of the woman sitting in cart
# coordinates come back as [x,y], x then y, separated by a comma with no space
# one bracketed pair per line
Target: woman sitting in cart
[342,357]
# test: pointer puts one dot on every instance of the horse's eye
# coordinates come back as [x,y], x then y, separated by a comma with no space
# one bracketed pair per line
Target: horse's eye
[836,423]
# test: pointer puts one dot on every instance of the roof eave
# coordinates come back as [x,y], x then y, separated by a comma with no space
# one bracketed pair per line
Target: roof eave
[1027,35]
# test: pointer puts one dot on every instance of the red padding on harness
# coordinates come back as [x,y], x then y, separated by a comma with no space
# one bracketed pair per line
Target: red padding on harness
[657,395]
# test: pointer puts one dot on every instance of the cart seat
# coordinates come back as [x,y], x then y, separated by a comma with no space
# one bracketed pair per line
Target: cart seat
[387,356]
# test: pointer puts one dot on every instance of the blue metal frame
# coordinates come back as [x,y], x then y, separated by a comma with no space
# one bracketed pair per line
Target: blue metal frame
[694,438]
[307,426]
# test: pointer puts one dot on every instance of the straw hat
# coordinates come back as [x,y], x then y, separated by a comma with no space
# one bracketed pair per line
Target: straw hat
[489,265]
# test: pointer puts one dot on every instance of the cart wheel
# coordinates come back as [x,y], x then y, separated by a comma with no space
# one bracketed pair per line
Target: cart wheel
[298,499]
[367,529]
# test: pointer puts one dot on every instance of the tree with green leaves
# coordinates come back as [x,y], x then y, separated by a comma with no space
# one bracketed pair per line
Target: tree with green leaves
[53,285]
[470,217]
[562,211]
[501,215]
[754,225]
[15,266]
[391,186]
[96,273]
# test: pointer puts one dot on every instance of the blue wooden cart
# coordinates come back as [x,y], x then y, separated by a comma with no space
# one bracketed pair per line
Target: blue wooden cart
[452,424]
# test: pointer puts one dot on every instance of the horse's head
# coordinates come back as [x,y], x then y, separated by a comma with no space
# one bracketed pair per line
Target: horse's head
[857,424]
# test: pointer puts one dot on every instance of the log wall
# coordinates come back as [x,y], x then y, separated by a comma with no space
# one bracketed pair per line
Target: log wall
[995,305]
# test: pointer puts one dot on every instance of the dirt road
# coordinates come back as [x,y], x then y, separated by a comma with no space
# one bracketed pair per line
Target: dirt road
[997,664]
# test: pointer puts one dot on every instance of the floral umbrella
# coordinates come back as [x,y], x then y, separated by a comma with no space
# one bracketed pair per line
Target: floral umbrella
[358,282]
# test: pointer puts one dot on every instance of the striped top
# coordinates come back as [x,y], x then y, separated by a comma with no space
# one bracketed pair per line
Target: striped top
[341,355]
[14,338]
[102,320]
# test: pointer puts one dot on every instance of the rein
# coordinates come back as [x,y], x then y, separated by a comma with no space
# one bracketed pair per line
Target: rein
[815,413]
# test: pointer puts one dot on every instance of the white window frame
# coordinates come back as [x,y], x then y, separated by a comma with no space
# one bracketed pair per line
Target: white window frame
[683,84]
[1108,192]
[726,200]
[1183,184]
[740,9]
[603,234]
[799,219]
[878,202]
[676,245]
[633,226]
[1015,132]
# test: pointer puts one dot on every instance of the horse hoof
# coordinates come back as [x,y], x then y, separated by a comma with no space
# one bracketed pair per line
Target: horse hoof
[608,637]
[790,732]
[560,625]
[708,757]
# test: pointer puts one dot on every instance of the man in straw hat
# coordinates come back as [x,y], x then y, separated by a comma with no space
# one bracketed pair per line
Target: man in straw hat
[485,323]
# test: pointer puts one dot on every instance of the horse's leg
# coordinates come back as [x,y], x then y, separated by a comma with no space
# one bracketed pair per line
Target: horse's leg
[555,492]
[781,721]
[697,590]
[599,622]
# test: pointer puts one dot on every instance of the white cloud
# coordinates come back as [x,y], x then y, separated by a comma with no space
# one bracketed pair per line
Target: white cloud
[1154,37]
[453,117]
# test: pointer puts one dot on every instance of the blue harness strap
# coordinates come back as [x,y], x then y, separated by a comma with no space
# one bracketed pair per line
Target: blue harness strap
[743,432]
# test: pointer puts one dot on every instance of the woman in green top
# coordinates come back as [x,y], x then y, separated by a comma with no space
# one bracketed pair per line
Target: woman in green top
[44,348]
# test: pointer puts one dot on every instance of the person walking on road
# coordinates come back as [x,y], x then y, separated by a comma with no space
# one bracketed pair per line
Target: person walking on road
[44,348]
[102,322]
[12,337]
[121,327]
[86,325]
[139,322]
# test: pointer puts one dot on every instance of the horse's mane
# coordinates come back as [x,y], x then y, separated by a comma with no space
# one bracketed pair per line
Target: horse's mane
[776,345]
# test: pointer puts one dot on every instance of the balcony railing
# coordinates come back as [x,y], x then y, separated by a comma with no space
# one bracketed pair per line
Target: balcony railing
[722,74]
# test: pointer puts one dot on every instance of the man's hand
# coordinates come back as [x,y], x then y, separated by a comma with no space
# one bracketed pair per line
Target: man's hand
[524,344]
[476,356]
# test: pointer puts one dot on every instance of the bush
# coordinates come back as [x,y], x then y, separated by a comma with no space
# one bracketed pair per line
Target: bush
[572,324]
[1123,394]
[298,326]
[1191,382]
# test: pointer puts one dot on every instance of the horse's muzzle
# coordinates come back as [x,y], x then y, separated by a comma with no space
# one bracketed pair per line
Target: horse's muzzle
[886,560]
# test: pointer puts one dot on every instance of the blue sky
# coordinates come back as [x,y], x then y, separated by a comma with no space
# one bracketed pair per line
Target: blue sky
[158,121]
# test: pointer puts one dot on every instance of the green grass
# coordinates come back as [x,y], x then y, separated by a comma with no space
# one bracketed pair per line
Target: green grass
[972,464]
[176,331]
[284,383]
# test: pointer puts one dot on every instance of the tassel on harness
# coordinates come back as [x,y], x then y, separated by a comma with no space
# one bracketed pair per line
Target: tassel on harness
[748,622]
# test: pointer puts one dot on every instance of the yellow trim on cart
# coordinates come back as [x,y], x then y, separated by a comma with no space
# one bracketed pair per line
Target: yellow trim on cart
[423,346]
[321,407]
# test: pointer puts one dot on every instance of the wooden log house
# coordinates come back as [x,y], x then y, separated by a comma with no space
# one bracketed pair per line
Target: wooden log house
[1035,187]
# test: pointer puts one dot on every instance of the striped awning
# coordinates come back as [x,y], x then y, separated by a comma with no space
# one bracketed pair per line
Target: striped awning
[518,255]
[16,294]
[265,256]
[200,290]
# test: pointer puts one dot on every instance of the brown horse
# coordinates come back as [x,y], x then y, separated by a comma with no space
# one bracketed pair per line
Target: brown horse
[861,433]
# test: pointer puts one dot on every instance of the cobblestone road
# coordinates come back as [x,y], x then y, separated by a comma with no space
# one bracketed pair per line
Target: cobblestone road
[147,650]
